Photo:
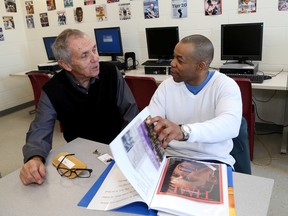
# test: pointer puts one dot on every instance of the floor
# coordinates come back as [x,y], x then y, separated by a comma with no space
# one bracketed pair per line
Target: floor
[268,162]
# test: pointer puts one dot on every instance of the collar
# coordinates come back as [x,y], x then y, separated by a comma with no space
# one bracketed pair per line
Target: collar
[75,83]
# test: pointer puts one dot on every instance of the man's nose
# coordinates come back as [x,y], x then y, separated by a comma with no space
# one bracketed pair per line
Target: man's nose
[172,64]
[95,56]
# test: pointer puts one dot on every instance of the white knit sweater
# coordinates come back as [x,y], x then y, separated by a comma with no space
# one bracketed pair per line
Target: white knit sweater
[214,116]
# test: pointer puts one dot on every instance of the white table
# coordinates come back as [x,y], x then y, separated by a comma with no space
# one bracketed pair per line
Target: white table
[60,195]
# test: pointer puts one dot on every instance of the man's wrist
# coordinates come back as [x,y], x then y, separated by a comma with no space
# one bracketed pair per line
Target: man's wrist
[186,130]
[37,157]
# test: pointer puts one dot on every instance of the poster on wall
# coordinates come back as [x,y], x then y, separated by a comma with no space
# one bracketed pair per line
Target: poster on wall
[61,17]
[29,7]
[101,12]
[283,5]
[151,9]
[124,11]
[8,22]
[68,3]
[179,8]
[212,7]
[89,2]
[10,6]
[44,19]
[78,14]
[51,5]
[1,34]
[247,6]
[30,21]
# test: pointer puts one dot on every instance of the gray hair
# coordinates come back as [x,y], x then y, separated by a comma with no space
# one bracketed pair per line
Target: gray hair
[60,46]
[204,49]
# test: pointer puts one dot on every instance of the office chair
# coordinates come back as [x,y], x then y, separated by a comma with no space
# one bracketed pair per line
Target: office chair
[240,150]
[37,81]
[248,110]
[142,89]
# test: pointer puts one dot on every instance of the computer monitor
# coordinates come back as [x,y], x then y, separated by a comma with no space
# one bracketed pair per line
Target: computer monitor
[161,42]
[48,42]
[109,42]
[241,42]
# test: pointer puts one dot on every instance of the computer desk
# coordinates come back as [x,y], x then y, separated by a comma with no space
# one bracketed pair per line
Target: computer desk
[279,83]
[60,195]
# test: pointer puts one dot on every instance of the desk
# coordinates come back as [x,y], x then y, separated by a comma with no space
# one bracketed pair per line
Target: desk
[279,83]
[60,196]
[276,83]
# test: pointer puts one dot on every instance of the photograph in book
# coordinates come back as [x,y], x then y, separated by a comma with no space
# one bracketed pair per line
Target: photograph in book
[150,145]
[192,180]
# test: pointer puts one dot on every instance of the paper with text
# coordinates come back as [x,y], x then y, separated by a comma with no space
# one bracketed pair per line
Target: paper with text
[116,191]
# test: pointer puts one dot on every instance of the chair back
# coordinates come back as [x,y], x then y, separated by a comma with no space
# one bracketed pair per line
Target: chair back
[142,89]
[37,81]
[248,109]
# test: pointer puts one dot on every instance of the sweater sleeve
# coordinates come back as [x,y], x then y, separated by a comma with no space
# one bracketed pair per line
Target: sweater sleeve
[40,134]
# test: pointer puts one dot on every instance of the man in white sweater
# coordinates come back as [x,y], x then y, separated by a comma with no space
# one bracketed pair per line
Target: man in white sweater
[197,111]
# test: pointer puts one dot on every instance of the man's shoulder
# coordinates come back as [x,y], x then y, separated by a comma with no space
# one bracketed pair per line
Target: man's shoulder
[221,79]
[170,83]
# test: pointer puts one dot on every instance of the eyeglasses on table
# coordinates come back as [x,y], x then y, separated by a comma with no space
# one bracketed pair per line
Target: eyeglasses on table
[79,172]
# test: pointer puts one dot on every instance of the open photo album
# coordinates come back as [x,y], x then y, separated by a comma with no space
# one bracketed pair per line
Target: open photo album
[142,180]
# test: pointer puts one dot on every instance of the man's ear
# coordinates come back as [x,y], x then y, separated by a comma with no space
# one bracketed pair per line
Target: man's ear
[65,65]
[202,65]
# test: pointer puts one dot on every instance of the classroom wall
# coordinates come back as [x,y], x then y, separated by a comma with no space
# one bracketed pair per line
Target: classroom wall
[23,48]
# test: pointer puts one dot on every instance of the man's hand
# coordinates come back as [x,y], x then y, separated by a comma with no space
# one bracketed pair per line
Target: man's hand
[166,130]
[33,171]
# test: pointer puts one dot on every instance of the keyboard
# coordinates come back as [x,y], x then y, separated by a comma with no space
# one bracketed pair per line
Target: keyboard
[255,78]
[157,63]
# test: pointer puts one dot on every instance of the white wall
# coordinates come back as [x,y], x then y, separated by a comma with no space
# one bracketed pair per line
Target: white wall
[24,48]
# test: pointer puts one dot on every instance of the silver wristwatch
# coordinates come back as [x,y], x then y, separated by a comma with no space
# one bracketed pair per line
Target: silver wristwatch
[186,130]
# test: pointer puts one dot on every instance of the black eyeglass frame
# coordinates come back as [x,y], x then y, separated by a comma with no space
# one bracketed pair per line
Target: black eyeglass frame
[73,170]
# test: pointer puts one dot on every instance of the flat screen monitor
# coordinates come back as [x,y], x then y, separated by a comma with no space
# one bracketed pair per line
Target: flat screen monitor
[241,42]
[161,42]
[109,42]
[48,42]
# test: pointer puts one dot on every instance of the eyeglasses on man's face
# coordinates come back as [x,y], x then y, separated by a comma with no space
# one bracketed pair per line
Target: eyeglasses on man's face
[79,172]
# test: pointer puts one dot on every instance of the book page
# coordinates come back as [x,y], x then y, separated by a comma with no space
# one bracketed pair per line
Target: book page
[115,192]
[192,186]
[139,156]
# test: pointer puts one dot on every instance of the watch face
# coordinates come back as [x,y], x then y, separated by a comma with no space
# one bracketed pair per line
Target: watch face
[186,128]
[186,132]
